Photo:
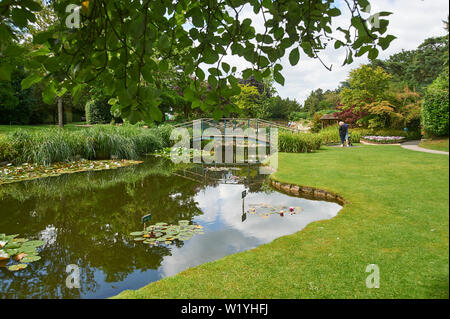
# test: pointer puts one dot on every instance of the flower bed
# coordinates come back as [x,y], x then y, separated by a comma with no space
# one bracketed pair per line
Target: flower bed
[384,139]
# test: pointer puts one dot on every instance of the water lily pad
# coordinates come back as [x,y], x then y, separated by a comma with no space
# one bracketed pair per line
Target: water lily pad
[34,243]
[30,259]
[12,252]
[161,224]
[137,233]
[139,239]
[17,267]
[12,245]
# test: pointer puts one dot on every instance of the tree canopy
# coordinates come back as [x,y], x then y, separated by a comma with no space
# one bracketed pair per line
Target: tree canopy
[126,45]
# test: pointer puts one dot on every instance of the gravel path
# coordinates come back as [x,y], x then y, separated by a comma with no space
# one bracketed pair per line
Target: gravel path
[414,146]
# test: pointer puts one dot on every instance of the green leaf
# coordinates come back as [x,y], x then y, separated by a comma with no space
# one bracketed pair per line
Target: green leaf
[373,53]
[247,73]
[32,5]
[210,56]
[306,46]
[200,74]
[225,67]
[212,80]
[294,56]
[278,77]
[19,17]
[189,94]
[386,41]
[49,94]
[156,113]
[30,80]
[337,44]
[334,12]
[362,50]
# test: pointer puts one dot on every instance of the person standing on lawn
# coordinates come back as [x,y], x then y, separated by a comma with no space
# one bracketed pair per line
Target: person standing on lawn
[343,133]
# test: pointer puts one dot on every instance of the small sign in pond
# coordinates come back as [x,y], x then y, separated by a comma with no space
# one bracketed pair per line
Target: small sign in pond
[146,218]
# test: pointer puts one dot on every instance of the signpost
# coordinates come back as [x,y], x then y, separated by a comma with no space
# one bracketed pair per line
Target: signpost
[146,219]
[244,215]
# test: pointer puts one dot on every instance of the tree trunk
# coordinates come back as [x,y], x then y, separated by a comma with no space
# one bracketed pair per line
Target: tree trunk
[60,113]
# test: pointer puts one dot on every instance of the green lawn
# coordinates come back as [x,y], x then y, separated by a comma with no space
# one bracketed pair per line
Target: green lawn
[6,129]
[396,216]
[436,144]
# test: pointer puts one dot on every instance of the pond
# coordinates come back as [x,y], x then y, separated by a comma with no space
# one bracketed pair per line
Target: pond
[85,219]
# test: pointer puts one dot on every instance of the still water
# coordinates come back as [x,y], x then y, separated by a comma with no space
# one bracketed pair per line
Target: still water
[86,219]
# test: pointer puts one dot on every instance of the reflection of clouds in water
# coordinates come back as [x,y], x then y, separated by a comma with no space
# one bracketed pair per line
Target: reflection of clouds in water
[223,204]
[205,248]
[226,200]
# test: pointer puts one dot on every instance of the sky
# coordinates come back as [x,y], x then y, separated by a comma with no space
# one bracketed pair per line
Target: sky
[412,22]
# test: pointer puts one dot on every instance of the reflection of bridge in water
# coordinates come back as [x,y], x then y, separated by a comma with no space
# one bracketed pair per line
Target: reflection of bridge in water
[245,140]
[246,174]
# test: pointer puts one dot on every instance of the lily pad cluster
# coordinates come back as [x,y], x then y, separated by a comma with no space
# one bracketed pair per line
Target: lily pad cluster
[264,210]
[184,154]
[26,171]
[18,251]
[163,233]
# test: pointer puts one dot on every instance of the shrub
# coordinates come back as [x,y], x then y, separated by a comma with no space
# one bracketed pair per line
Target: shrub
[330,135]
[298,142]
[435,107]
[296,116]
[98,111]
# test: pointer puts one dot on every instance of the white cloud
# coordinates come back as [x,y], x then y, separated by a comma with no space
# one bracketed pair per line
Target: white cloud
[412,22]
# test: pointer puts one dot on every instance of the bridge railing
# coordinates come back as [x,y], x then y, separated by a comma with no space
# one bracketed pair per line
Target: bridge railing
[224,123]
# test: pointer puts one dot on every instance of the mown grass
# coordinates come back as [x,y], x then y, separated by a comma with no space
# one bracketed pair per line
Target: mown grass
[436,144]
[7,129]
[396,216]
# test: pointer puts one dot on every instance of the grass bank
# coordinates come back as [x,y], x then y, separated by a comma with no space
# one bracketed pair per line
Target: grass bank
[436,144]
[397,217]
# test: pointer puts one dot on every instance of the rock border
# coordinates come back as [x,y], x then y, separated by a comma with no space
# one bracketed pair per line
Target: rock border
[307,192]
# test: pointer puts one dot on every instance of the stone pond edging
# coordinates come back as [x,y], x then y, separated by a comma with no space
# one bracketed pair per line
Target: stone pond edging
[307,191]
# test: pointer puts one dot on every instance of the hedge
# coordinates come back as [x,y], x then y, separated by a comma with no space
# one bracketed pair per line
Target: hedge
[98,112]
[435,107]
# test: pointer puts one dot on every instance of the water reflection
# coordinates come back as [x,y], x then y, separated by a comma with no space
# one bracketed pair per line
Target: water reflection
[85,219]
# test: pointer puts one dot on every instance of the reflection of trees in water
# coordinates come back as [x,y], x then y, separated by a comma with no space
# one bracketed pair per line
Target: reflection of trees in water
[91,229]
